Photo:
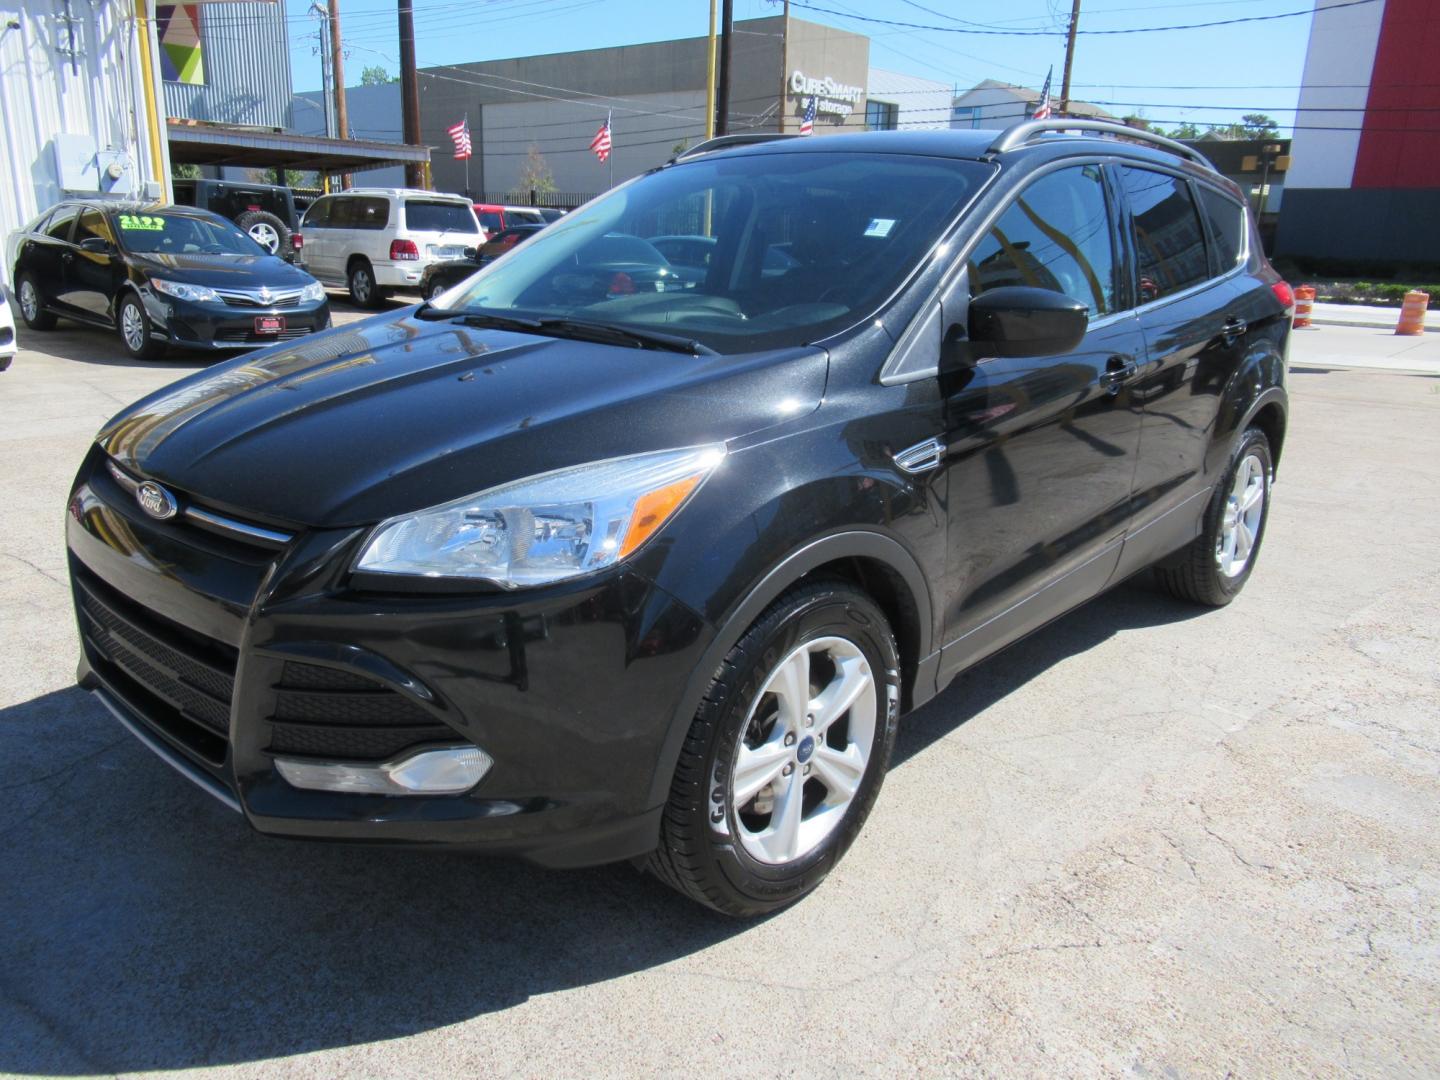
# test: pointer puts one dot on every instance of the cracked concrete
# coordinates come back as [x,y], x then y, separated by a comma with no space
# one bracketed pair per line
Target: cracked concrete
[1148,841]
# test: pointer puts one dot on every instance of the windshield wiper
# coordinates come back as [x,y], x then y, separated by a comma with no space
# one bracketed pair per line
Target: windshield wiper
[575,329]
[620,335]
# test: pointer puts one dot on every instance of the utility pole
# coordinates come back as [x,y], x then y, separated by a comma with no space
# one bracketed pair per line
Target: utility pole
[326,83]
[337,75]
[784,64]
[410,91]
[1069,57]
[727,34]
[710,78]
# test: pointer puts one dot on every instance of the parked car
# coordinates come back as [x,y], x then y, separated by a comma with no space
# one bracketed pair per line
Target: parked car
[375,240]
[496,217]
[443,275]
[7,332]
[267,212]
[549,214]
[162,276]
[653,576]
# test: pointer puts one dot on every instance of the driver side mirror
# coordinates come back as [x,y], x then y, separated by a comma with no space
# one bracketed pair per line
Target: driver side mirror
[1015,321]
[97,245]
[470,253]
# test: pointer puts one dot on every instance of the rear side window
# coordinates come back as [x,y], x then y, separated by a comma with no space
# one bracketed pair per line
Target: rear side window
[371,213]
[59,226]
[1055,236]
[1226,218]
[438,217]
[1169,241]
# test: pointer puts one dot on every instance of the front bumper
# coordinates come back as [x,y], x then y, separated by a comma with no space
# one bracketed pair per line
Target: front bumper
[222,655]
[190,325]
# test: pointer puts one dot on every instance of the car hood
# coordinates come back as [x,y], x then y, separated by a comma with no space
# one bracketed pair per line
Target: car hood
[396,413]
[224,271]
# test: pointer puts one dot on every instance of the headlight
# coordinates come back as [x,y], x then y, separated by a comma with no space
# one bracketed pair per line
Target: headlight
[546,528]
[312,293]
[182,291]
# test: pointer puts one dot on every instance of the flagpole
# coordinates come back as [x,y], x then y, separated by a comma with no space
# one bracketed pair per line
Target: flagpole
[466,122]
[610,157]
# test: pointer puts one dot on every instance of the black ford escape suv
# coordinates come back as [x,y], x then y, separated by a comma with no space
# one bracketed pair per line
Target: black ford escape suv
[586,568]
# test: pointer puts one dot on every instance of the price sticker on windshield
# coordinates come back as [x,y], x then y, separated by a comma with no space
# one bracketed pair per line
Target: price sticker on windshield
[142,223]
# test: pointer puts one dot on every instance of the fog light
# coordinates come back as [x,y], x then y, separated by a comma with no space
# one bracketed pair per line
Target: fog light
[446,771]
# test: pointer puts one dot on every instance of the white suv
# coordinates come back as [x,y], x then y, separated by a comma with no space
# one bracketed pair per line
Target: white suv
[372,240]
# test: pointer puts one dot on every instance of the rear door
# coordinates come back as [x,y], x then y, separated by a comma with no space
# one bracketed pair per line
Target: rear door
[1194,342]
[1040,451]
[48,252]
[441,228]
[91,277]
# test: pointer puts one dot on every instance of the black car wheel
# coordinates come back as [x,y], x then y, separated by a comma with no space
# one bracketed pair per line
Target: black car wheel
[134,327]
[32,304]
[436,288]
[786,754]
[266,229]
[1214,567]
[361,281]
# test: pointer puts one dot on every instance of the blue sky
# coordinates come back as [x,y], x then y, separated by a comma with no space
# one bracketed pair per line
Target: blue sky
[1201,75]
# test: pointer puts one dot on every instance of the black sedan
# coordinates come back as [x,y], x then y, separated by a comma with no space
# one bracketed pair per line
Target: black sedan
[442,275]
[161,276]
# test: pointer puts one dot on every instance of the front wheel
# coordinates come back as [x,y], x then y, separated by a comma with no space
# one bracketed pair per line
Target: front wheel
[1215,566]
[134,327]
[786,754]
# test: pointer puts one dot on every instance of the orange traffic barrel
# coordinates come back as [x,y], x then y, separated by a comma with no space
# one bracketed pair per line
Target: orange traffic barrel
[1412,313]
[1304,304]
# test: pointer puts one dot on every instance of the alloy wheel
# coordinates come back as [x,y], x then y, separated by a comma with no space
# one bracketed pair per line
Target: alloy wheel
[803,751]
[29,300]
[132,327]
[361,279]
[1240,520]
[266,236]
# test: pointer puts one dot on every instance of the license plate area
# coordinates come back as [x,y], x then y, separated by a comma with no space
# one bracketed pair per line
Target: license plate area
[269,324]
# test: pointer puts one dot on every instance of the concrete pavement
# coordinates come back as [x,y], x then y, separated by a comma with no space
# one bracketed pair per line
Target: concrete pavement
[1149,840]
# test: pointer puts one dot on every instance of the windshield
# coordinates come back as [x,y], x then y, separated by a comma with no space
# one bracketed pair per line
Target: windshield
[180,234]
[438,217]
[794,247]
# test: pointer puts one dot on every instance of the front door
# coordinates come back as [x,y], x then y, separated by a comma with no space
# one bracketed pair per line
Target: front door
[1040,451]
[91,277]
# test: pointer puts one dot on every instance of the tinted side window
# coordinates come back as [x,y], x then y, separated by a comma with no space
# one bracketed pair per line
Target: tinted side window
[342,214]
[1226,218]
[1055,236]
[93,223]
[372,213]
[1169,242]
[318,216]
[59,227]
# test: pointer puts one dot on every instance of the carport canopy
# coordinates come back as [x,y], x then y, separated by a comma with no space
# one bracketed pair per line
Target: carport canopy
[266,148]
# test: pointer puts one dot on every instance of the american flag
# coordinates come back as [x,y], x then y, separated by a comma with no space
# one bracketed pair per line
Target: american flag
[807,122]
[601,142]
[1042,107]
[460,136]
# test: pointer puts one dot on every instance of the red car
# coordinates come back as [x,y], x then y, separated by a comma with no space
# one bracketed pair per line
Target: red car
[494,217]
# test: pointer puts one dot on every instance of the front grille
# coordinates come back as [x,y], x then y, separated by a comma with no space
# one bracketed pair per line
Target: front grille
[183,680]
[332,713]
[241,334]
[251,299]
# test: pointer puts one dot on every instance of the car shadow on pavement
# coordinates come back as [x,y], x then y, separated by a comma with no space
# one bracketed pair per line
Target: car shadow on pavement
[96,346]
[147,928]
[1136,603]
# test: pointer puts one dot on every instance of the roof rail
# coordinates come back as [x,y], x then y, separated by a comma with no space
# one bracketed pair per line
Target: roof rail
[1027,130]
[721,142]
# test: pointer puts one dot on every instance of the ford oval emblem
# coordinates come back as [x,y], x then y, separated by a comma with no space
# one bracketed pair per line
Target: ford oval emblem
[156,501]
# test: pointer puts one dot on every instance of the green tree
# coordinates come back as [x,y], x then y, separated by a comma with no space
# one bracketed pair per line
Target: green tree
[535,174]
[376,75]
[185,172]
[1259,126]
[1185,131]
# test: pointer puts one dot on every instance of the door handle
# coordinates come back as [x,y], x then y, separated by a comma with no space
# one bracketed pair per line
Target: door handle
[67,256]
[1118,371]
[1235,327]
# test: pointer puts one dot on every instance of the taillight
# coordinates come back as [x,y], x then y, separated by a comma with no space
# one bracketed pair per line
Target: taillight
[297,241]
[621,283]
[404,251]
[1284,293]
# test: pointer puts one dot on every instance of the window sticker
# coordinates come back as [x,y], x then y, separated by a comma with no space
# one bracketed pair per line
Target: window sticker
[879,226]
[142,223]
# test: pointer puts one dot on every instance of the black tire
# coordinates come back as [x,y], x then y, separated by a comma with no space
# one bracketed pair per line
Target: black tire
[36,317]
[143,346]
[267,230]
[1194,573]
[701,854]
[360,280]
[437,286]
